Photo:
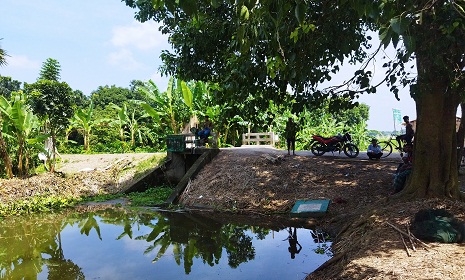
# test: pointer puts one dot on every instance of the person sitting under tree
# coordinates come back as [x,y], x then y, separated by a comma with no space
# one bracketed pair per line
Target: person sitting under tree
[404,169]
[374,150]
[409,133]
[207,126]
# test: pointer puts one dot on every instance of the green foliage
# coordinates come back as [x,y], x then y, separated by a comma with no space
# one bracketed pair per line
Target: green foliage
[38,203]
[169,108]
[120,108]
[50,70]
[80,100]
[8,85]
[51,101]
[3,55]
[247,49]
[151,197]
[20,124]
[105,95]
[322,121]
[102,197]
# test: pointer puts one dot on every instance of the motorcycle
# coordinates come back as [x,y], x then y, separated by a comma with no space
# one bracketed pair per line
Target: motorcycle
[339,143]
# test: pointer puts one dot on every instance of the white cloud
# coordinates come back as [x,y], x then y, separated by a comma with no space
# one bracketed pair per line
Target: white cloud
[22,62]
[143,36]
[124,59]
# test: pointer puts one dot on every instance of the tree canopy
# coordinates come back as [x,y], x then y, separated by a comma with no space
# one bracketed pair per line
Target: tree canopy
[50,70]
[255,50]
[259,51]
[51,101]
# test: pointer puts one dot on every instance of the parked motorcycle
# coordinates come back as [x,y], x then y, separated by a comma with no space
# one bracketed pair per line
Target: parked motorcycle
[339,143]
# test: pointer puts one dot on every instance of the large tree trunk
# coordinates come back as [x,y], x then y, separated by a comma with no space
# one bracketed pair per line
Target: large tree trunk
[435,172]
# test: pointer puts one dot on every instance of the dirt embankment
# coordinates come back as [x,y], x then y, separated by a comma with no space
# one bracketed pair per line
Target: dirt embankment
[81,175]
[361,209]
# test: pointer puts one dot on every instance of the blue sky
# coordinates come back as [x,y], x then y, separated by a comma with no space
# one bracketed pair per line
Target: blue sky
[98,43]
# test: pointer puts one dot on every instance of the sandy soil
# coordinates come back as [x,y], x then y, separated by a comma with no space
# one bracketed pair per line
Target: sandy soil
[69,164]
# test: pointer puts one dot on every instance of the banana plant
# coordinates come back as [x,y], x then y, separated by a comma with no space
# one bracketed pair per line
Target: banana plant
[171,108]
[121,121]
[360,134]
[163,103]
[22,122]
[129,121]
[84,122]
[4,153]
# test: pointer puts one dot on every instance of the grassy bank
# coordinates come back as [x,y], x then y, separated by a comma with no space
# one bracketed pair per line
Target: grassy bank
[48,192]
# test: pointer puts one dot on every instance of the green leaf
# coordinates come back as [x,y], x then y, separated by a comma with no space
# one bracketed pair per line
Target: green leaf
[188,6]
[240,33]
[399,24]
[300,11]
[244,13]
[385,36]
[409,42]
[392,79]
[152,112]
[4,104]
[187,94]
[295,35]
[157,4]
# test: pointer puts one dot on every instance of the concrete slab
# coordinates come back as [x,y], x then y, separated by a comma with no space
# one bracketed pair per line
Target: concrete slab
[310,208]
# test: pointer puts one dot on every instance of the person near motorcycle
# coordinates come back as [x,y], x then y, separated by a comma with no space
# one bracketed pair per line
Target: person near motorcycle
[374,150]
[290,132]
[409,133]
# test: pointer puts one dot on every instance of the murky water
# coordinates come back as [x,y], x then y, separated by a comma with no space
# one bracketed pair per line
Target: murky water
[119,244]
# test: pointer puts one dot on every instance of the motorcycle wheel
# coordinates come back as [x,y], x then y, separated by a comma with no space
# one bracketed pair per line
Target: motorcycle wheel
[317,148]
[351,150]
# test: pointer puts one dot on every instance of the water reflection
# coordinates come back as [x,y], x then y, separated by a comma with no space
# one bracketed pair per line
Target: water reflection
[120,244]
[293,243]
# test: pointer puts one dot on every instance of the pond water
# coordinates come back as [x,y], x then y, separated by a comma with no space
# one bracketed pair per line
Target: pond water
[123,244]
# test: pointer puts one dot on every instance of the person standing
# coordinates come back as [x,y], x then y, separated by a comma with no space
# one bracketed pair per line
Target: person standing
[374,150]
[290,132]
[293,243]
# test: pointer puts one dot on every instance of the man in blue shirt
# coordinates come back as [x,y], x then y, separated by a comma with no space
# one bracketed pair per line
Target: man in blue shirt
[374,150]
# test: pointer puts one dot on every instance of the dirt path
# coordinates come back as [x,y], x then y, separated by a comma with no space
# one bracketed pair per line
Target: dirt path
[81,162]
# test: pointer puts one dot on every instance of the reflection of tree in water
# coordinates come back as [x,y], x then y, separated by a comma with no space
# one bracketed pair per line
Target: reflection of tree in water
[323,239]
[26,243]
[238,245]
[192,237]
